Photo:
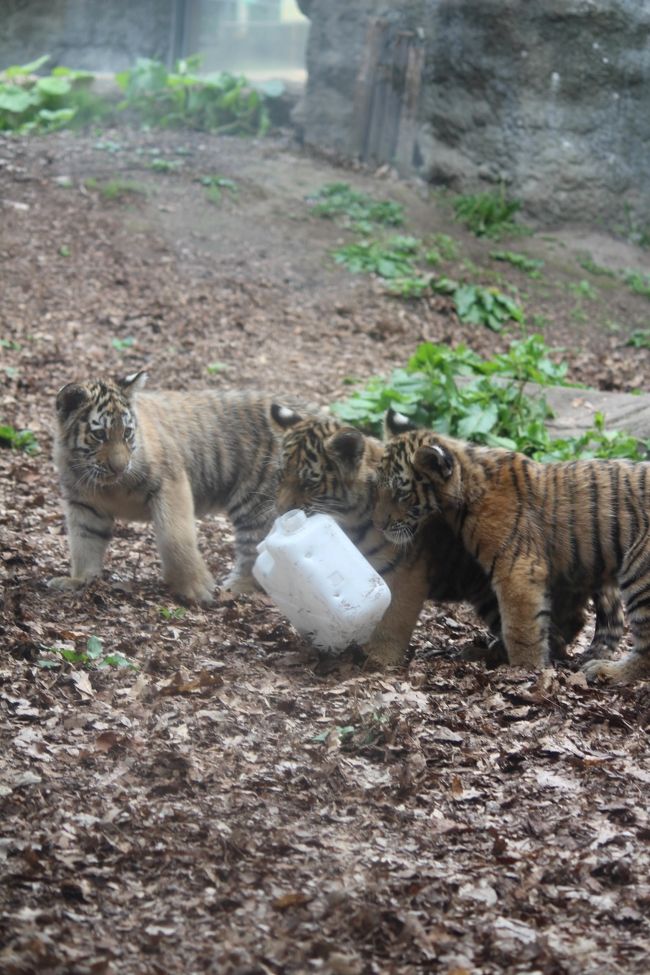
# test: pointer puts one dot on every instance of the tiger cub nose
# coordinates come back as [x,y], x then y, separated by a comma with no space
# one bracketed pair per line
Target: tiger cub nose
[117,461]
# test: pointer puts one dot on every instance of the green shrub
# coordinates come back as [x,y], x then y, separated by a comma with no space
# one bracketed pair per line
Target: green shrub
[527,264]
[115,189]
[599,270]
[485,306]
[454,391]
[93,657]
[391,260]
[32,103]
[639,339]
[339,199]
[173,99]
[638,282]
[487,214]
[18,439]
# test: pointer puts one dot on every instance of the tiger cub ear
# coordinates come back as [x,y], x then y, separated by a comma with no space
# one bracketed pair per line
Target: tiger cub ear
[346,448]
[132,383]
[434,460]
[284,417]
[69,398]
[395,423]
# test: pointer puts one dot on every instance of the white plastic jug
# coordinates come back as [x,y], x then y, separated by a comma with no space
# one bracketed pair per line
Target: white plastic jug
[320,580]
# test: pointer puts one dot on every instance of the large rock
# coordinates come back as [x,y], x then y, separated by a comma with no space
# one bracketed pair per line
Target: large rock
[550,97]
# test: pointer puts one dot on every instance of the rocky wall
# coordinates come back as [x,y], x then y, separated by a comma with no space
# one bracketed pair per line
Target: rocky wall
[550,97]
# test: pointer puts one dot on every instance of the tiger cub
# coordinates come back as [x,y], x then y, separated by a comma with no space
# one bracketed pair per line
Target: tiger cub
[327,466]
[164,457]
[535,529]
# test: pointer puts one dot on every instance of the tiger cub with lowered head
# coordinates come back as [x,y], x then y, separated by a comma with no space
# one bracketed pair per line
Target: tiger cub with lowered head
[533,528]
[329,467]
[164,457]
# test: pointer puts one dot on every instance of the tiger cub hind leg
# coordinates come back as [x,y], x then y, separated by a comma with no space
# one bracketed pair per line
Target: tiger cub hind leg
[251,519]
[635,589]
[633,666]
[610,625]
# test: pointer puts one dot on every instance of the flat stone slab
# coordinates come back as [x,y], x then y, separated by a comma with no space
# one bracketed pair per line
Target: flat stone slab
[574,410]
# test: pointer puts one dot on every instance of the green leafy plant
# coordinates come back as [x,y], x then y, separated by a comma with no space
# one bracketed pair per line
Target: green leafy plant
[640,339]
[93,657]
[633,229]
[582,289]
[411,285]
[445,246]
[43,103]
[638,282]
[456,392]
[109,145]
[597,442]
[18,439]
[115,189]
[527,264]
[123,344]
[487,214]
[342,731]
[339,199]
[172,612]
[485,306]
[216,185]
[364,731]
[393,259]
[213,368]
[165,165]
[221,102]
[598,270]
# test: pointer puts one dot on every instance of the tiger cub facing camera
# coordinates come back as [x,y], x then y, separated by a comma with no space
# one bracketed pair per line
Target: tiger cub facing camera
[330,467]
[165,457]
[533,528]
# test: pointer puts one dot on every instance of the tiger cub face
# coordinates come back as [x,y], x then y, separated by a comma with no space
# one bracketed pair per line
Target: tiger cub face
[97,429]
[326,466]
[411,486]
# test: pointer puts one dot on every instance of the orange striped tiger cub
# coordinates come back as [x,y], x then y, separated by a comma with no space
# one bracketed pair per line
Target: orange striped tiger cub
[330,467]
[535,529]
[165,457]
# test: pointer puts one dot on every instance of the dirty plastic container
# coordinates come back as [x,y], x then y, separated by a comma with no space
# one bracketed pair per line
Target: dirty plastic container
[320,580]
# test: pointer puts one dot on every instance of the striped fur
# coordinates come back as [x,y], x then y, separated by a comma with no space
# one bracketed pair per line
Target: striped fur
[330,467]
[539,531]
[165,457]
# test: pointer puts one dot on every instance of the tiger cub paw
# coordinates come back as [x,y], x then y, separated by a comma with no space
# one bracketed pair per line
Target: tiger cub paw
[67,583]
[382,654]
[632,666]
[489,651]
[239,583]
[198,590]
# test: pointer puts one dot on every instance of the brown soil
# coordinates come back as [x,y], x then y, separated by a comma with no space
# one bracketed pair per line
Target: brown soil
[235,804]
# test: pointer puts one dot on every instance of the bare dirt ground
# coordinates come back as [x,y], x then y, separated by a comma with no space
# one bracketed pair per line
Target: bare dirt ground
[235,804]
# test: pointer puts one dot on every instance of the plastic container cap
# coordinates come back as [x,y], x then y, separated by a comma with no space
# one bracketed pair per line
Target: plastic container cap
[320,580]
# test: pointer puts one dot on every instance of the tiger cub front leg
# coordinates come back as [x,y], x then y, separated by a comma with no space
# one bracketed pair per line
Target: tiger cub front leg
[389,642]
[184,570]
[524,605]
[89,532]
